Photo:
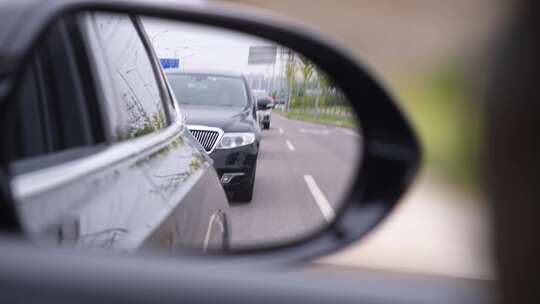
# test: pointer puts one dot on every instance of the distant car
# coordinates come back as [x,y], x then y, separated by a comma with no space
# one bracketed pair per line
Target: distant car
[265,104]
[281,98]
[221,113]
[264,107]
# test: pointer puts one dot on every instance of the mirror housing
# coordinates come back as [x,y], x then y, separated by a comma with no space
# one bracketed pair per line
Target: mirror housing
[391,152]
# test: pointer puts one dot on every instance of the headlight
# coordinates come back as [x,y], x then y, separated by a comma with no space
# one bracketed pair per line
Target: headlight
[233,140]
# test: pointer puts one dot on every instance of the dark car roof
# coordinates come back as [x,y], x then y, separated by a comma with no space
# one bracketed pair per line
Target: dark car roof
[206,72]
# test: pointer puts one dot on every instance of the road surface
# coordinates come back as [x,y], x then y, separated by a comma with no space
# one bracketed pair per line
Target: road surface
[447,231]
[303,172]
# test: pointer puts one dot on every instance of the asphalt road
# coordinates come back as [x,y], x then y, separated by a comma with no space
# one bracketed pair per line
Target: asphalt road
[303,172]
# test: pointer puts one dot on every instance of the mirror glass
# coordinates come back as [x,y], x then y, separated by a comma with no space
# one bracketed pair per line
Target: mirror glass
[136,132]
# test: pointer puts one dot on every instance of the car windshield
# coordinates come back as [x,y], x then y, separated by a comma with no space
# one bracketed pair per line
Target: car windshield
[208,90]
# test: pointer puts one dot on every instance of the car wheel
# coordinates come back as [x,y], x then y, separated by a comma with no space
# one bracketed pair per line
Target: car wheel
[245,195]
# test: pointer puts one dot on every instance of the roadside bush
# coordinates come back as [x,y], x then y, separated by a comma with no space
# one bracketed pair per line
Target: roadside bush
[304,102]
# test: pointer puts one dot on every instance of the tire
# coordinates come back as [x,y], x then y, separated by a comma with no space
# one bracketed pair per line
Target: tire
[267,125]
[245,195]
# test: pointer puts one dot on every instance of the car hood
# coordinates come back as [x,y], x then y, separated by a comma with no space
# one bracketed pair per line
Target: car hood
[228,119]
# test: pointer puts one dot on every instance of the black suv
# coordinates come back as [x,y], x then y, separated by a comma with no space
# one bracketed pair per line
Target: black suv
[222,115]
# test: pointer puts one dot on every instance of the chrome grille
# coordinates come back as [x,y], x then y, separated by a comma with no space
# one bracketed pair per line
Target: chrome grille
[207,138]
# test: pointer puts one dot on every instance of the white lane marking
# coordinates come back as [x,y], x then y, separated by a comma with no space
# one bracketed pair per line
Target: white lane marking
[289,145]
[280,131]
[209,229]
[315,131]
[326,209]
[349,132]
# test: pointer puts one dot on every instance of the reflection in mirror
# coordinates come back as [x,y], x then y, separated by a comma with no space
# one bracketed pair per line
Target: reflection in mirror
[137,133]
[290,180]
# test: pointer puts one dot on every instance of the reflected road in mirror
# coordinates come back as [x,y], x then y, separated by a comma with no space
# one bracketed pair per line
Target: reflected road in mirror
[302,173]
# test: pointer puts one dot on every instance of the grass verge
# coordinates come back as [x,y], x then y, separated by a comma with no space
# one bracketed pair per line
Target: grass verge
[348,122]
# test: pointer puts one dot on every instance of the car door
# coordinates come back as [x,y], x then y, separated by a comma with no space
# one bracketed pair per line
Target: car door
[117,168]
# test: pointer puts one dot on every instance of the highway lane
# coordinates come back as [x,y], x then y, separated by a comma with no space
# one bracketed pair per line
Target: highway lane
[303,171]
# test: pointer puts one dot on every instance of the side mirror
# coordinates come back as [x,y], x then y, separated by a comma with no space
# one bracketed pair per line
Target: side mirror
[338,157]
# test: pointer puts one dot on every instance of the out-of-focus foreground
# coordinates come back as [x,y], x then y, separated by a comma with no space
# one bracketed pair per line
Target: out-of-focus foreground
[431,54]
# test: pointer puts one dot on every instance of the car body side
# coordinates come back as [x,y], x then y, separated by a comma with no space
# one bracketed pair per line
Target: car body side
[156,190]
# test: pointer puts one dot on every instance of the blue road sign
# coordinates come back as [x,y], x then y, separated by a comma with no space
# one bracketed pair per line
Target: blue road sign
[170,63]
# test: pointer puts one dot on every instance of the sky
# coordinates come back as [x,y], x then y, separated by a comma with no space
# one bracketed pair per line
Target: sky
[205,47]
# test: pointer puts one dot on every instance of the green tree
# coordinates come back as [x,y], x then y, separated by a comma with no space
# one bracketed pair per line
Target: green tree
[290,74]
[306,68]
[326,83]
